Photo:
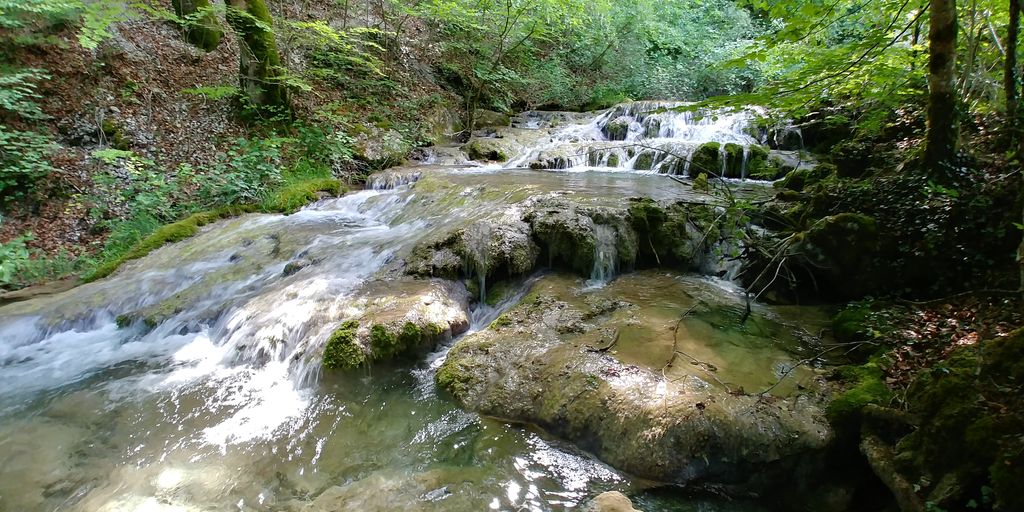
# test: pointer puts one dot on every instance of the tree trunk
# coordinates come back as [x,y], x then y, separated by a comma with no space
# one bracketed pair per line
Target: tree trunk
[204,32]
[260,70]
[943,121]
[1010,75]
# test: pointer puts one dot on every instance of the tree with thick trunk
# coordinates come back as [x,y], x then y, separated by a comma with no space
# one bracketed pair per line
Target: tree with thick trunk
[1013,122]
[943,121]
[202,29]
[260,71]
[1010,75]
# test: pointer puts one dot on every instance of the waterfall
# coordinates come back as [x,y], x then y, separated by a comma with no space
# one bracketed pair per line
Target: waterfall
[606,256]
[644,136]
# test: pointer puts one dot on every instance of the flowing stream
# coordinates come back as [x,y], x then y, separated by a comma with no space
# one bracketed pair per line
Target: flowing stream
[220,406]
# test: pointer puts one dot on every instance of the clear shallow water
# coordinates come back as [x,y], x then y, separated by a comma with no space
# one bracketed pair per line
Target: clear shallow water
[220,407]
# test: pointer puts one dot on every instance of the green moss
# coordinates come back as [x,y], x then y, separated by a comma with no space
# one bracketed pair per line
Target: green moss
[852,323]
[454,376]
[733,160]
[707,159]
[342,351]
[204,32]
[285,200]
[502,321]
[801,179]
[866,387]
[260,71]
[971,417]
[701,183]
[644,162]
[293,197]
[386,343]
[166,234]
[788,196]
[114,136]
[613,160]
[486,149]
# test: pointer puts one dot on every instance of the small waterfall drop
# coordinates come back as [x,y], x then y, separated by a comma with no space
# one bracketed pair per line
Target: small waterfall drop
[606,256]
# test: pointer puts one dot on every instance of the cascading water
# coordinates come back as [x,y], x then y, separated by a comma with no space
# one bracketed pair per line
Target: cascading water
[605,255]
[210,394]
[656,137]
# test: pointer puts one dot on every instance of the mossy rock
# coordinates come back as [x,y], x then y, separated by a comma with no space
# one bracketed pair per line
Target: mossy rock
[343,351]
[617,129]
[388,341]
[644,161]
[840,250]
[971,417]
[853,324]
[566,235]
[865,386]
[613,160]
[802,179]
[667,233]
[489,149]
[114,136]
[701,184]
[707,159]
[733,160]
[490,119]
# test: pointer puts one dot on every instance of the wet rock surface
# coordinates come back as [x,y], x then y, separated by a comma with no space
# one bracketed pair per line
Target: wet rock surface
[619,374]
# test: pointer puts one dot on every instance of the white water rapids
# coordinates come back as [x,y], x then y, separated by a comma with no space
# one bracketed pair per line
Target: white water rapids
[223,404]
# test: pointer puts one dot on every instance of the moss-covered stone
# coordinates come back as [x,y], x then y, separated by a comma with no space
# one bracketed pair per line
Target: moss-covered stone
[490,119]
[493,150]
[114,136]
[667,234]
[617,129]
[840,250]
[566,235]
[293,197]
[644,161]
[613,160]
[852,324]
[342,351]
[701,184]
[733,160]
[707,159]
[802,179]
[204,32]
[169,233]
[865,387]
[971,417]
[387,342]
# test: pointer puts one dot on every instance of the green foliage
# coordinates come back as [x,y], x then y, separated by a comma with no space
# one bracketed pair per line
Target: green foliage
[19,92]
[13,256]
[245,172]
[24,159]
[213,92]
[97,18]
[16,14]
[143,234]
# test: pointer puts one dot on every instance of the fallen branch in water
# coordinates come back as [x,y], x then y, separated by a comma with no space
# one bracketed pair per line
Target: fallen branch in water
[853,346]
[703,365]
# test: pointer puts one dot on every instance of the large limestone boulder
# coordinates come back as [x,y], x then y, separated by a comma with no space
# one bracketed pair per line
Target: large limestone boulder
[617,373]
[395,318]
